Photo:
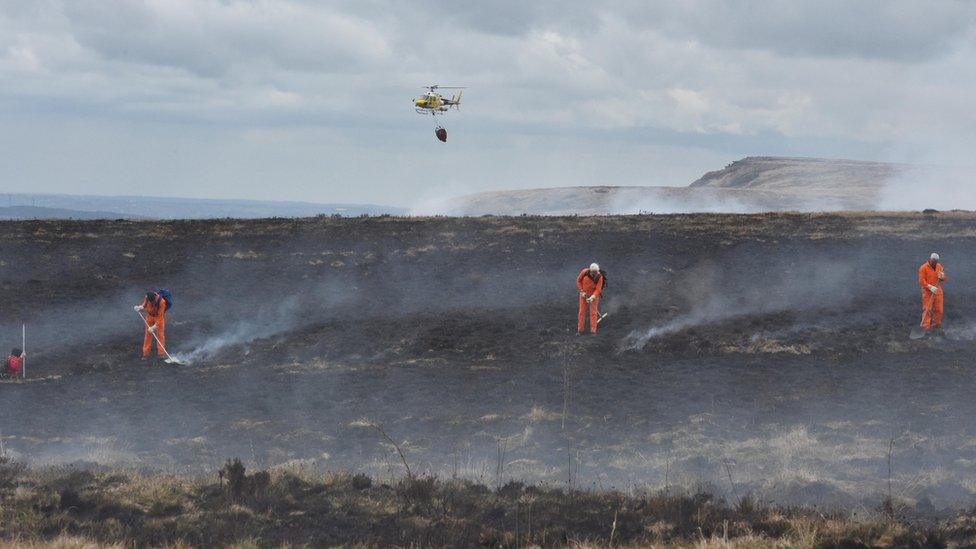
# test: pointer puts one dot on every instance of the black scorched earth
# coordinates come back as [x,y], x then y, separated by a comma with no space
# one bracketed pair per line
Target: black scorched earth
[766,350]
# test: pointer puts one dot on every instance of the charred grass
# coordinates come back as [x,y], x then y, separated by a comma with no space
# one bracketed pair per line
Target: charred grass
[477,315]
[73,508]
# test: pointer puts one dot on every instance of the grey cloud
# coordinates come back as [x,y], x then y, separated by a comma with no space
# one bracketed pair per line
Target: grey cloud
[299,90]
[499,17]
[516,17]
[213,38]
[898,30]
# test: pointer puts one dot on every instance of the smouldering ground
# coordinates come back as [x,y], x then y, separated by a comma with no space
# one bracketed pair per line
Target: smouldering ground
[771,349]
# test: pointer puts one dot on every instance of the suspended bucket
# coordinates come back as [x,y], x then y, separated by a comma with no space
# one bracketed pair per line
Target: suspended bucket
[441,133]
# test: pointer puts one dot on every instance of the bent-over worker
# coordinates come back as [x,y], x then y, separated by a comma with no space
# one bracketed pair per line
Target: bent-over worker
[15,363]
[589,282]
[154,305]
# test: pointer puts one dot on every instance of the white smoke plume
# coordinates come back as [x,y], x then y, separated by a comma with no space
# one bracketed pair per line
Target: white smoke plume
[714,296]
[926,186]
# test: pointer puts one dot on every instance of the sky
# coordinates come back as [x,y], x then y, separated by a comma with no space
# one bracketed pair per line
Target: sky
[312,101]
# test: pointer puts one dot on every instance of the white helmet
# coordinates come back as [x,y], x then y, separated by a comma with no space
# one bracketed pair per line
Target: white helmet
[934,256]
[594,267]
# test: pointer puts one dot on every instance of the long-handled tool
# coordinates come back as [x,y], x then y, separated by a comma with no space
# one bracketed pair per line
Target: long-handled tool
[169,358]
[23,346]
[600,316]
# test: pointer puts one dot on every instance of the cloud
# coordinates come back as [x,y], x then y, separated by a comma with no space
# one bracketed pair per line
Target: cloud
[898,30]
[878,80]
[214,39]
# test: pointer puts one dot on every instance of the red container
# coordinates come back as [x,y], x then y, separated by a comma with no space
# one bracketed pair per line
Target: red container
[441,134]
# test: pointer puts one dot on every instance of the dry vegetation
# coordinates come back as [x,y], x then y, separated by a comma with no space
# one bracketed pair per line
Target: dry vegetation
[71,508]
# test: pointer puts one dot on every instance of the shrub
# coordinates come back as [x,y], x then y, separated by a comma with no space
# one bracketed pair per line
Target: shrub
[241,486]
[361,482]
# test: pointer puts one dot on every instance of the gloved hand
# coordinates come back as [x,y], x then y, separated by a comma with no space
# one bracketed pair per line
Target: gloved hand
[583,295]
[152,329]
[138,308]
[933,289]
[590,299]
[941,275]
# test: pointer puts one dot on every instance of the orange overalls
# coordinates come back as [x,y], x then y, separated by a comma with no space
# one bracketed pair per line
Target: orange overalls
[931,303]
[155,316]
[591,287]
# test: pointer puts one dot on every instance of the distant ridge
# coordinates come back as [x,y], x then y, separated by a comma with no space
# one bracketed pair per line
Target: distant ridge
[772,172]
[38,212]
[752,184]
[51,206]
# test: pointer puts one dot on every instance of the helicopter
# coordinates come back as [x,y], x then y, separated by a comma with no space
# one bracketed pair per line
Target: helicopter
[433,103]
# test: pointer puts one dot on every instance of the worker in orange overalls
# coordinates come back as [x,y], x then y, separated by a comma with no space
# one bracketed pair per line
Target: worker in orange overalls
[155,307]
[14,366]
[930,278]
[590,285]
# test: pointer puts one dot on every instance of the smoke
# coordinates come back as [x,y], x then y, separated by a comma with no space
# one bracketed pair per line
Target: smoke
[268,321]
[670,201]
[435,204]
[310,304]
[712,294]
[917,188]
[638,200]
[719,200]
[636,340]
[71,324]
[932,131]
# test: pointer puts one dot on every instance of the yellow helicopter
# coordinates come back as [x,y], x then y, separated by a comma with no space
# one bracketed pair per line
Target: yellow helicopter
[433,103]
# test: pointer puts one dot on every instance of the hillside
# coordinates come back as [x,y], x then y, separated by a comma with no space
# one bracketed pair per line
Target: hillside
[795,174]
[38,212]
[754,184]
[49,206]
[775,345]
